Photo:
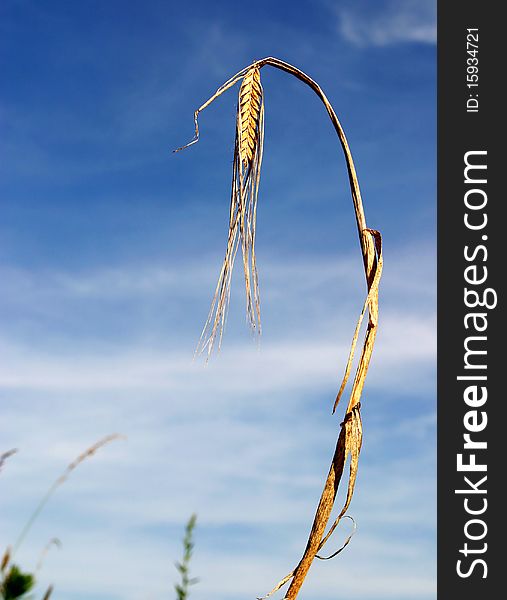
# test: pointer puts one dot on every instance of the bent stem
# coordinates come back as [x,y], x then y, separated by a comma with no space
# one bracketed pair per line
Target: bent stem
[350,436]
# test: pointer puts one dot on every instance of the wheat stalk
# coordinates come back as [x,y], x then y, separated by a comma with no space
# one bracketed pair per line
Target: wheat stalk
[58,482]
[246,173]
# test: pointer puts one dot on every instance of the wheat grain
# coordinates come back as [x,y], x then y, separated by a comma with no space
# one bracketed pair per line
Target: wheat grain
[248,149]
[250,98]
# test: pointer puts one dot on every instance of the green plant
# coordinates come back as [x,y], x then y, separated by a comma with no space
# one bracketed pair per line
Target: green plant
[183,587]
[14,583]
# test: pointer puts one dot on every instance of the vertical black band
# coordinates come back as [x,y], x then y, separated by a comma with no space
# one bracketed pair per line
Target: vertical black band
[472,454]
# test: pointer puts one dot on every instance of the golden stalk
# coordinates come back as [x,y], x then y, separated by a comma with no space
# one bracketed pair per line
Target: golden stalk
[246,173]
[5,559]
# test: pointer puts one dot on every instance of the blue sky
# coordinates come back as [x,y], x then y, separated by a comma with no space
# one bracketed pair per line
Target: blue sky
[110,246]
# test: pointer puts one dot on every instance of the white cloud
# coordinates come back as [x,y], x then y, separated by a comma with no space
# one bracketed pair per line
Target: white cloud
[299,297]
[124,523]
[245,441]
[404,345]
[123,514]
[398,21]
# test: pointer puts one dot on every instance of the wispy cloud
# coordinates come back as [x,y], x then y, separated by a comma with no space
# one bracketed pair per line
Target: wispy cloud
[245,441]
[311,338]
[395,22]
[250,465]
[313,291]
[259,480]
[299,363]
